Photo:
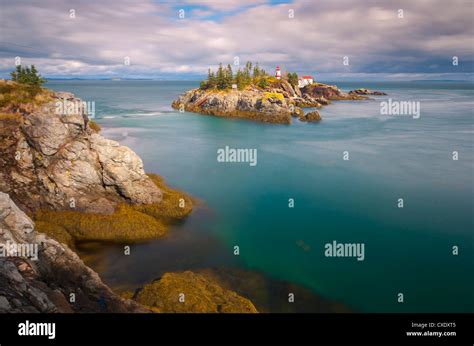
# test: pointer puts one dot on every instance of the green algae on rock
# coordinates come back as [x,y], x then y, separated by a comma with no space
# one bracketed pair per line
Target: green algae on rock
[128,223]
[191,292]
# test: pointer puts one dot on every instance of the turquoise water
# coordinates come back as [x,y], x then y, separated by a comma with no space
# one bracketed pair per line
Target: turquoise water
[407,250]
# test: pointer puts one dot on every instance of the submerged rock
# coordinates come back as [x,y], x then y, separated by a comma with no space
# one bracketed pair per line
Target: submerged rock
[361,91]
[269,294]
[311,116]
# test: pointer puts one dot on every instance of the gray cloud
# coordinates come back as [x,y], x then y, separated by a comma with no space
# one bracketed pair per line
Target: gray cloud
[314,41]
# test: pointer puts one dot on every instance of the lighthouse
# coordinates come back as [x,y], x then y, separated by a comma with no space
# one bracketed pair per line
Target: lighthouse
[278,72]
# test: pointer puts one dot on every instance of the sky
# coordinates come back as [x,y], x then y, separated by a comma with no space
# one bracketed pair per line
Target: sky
[179,40]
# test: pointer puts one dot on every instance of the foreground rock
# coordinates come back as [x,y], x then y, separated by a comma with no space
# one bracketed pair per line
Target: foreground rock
[55,160]
[366,92]
[192,292]
[47,283]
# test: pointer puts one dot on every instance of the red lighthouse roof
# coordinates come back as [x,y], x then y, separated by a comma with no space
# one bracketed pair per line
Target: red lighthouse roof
[307,77]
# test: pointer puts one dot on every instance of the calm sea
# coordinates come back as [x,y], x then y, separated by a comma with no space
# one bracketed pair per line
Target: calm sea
[408,250]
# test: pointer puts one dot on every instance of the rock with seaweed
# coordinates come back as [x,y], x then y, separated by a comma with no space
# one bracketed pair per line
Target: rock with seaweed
[42,275]
[78,185]
[191,292]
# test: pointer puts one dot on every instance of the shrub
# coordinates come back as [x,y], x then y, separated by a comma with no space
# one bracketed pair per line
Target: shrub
[16,95]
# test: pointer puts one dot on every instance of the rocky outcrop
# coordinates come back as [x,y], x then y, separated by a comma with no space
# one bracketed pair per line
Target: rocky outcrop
[54,160]
[329,92]
[311,117]
[366,92]
[309,101]
[191,292]
[38,274]
[249,104]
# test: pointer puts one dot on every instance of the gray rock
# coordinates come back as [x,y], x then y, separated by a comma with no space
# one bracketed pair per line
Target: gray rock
[311,117]
[53,158]
[44,284]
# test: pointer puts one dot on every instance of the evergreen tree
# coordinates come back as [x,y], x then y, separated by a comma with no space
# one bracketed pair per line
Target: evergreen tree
[229,77]
[256,71]
[239,80]
[27,75]
[293,79]
[220,79]
[211,79]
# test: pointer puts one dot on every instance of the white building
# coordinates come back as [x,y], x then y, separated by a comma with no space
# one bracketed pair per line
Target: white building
[305,80]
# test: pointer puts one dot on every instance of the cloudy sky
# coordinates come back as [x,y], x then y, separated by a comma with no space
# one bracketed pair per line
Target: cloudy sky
[181,39]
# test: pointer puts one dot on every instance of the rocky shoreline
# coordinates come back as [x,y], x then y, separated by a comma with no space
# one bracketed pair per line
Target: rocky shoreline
[76,185]
[278,103]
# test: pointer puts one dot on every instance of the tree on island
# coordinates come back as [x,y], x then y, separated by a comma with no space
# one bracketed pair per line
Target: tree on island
[224,78]
[27,75]
[293,79]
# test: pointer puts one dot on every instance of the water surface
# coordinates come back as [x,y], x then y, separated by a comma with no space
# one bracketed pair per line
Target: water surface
[407,250]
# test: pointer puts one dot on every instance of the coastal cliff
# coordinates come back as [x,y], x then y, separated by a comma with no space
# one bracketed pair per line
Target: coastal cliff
[55,160]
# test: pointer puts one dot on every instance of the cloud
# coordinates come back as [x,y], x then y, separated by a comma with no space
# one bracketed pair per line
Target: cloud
[315,40]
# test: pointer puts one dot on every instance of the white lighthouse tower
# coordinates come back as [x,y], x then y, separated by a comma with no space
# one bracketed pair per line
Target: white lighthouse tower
[277,73]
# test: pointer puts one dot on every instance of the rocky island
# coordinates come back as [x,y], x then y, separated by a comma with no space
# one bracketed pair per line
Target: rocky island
[253,94]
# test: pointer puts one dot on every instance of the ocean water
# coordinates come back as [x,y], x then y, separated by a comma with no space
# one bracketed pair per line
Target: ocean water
[408,250]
